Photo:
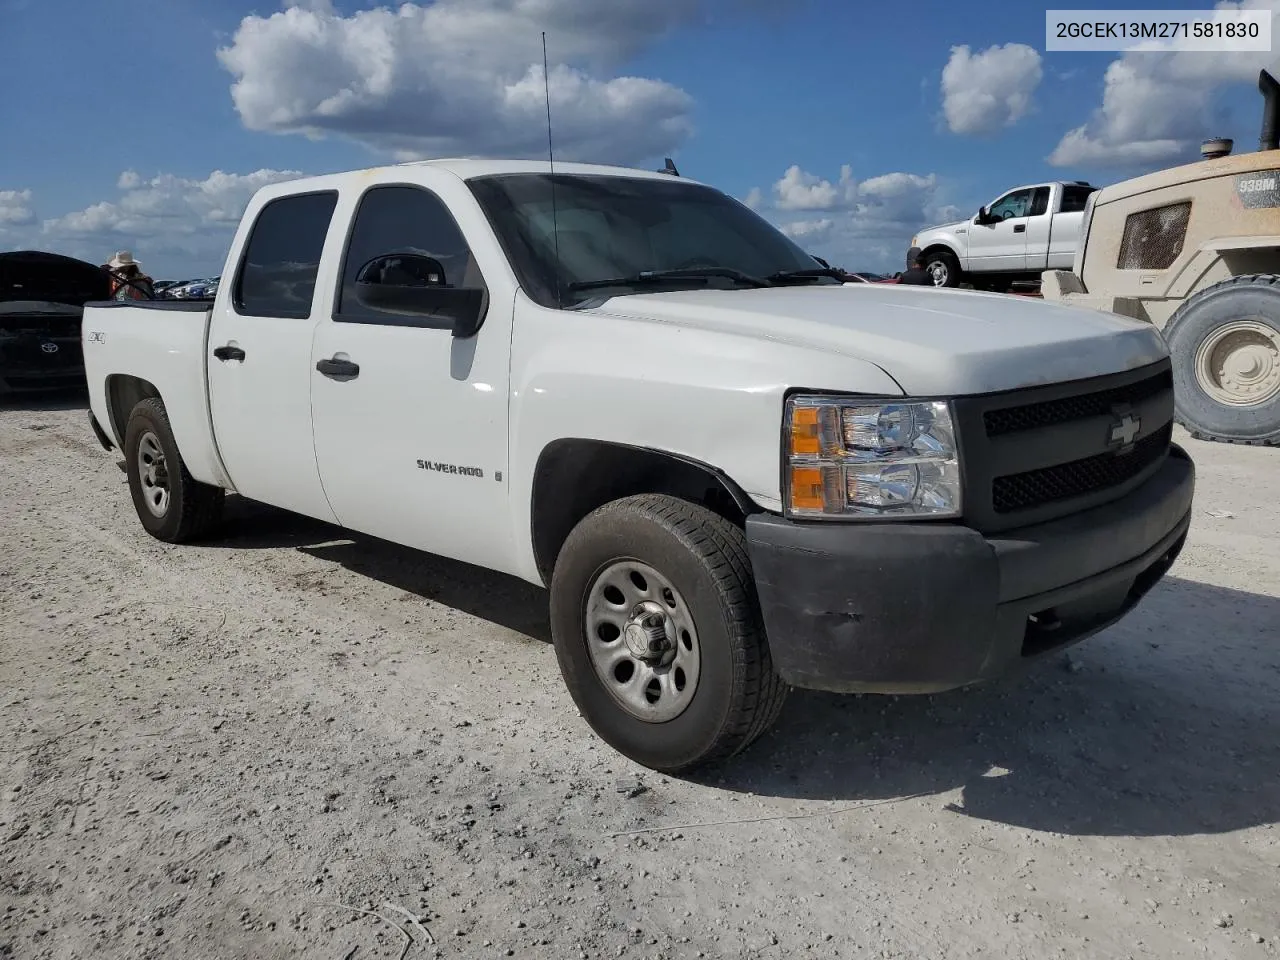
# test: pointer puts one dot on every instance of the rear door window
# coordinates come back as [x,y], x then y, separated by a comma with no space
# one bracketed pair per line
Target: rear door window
[282,258]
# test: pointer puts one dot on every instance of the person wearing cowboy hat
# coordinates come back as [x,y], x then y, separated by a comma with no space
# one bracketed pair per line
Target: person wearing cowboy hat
[128,282]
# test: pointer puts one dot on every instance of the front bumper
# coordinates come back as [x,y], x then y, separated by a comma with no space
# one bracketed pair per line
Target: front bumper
[925,607]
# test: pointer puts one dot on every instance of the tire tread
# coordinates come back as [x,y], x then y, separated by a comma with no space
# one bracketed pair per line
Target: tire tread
[760,692]
[1243,280]
[201,503]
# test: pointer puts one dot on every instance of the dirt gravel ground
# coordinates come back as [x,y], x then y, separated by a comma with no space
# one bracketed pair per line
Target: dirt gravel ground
[231,750]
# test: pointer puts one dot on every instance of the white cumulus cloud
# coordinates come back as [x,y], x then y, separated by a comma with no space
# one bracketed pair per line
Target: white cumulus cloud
[463,77]
[808,228]
[859,224]
[16,209]
[169,222]
[798,190]
[1157,105]
[987,91]
[168,204]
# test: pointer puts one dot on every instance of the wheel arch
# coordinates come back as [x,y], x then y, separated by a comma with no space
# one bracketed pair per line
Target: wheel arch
[124,392]
[575,476]
[939,246]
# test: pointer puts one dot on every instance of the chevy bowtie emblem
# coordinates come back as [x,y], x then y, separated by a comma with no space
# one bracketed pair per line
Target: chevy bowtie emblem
[1125,430]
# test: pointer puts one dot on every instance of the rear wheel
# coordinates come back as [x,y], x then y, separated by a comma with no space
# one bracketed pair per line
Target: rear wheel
[658,633]
[943,266]
[172,505]
[1225,343]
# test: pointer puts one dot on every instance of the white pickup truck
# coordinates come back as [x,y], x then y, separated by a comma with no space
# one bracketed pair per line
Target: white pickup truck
[734,473]
[1026,231]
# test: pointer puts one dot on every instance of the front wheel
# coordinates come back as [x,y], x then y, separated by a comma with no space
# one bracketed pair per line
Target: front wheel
[172,505]
[658,633]
[1225,343]
[943,267]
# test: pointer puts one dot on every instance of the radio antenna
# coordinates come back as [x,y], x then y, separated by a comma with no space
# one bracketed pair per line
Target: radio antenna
[551,159]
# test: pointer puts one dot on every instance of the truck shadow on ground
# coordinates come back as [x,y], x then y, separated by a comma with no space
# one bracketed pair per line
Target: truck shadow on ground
[507,601]
[1167,724]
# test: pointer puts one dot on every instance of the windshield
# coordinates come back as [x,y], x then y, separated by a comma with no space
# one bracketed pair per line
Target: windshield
[624,227]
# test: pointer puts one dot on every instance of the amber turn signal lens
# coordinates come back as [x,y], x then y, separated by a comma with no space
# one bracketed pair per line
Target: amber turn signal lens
[806,436]
[806,488]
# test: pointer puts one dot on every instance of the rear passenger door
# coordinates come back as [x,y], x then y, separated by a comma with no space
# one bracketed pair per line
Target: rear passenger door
[411,421]
[259,357]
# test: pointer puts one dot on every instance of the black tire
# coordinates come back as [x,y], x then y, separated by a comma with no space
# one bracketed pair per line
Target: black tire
[192,508]
[737,696]
[1254,298]
[947,261]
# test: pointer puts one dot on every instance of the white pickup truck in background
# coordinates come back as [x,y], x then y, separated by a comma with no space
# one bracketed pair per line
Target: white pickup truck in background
[734,473]
[1026,231]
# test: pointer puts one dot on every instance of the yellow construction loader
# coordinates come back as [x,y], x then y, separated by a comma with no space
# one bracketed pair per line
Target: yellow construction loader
[1195,250]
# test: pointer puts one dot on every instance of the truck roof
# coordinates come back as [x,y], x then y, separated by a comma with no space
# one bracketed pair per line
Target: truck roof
[466,168]
[469,168]
[1051,183]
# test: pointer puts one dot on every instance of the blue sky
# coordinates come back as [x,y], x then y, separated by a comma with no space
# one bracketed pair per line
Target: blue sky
[148,126]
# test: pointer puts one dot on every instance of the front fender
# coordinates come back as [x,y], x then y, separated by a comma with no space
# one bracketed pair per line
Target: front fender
[952,236]
[712,397]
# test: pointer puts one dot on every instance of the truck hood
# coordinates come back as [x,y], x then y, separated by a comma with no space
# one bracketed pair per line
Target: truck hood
[942,226]
[933,342]
[38,278]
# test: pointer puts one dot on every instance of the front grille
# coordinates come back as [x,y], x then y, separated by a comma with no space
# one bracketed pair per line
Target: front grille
[1034,488]
[1038,453]
[1048,413]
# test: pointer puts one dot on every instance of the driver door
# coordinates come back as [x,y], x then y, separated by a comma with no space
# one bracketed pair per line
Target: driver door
[410,421]
[999,245]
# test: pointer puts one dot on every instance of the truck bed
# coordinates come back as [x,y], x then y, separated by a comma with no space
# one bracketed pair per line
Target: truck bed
[139,348]
[172,306]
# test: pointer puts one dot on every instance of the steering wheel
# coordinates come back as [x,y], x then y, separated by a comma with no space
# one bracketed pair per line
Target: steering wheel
[1007,215]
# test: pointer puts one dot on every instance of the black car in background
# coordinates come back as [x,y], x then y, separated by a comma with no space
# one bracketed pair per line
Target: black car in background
[42,298]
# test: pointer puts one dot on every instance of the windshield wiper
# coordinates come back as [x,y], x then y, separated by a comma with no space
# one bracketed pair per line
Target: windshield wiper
[812,273]
[702,274]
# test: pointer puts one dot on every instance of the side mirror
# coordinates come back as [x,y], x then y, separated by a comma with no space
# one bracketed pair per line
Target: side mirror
[983,216]
[411,285]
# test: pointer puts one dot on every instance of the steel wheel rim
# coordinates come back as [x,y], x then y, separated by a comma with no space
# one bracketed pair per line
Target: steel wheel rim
[938,271]
[1239,363]
[642,641]
[153,474]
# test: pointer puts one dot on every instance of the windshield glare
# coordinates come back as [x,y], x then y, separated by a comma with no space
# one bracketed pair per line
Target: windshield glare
[611,226]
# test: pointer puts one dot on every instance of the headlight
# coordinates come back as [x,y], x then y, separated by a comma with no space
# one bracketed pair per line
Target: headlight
[847,456]
[914,239]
